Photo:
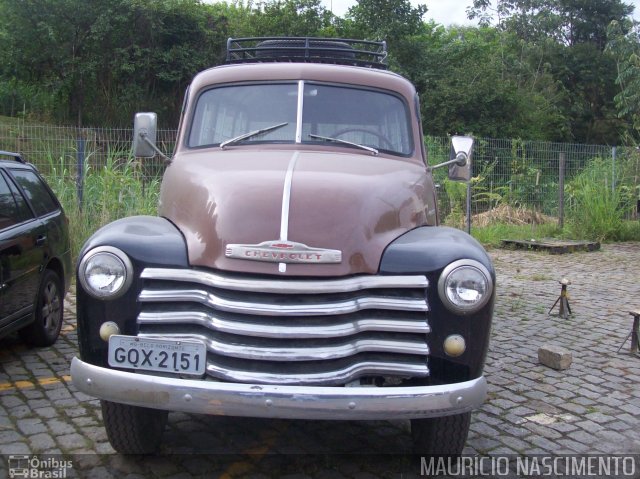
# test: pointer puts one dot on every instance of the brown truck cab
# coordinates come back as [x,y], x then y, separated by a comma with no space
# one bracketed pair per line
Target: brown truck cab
[296,268]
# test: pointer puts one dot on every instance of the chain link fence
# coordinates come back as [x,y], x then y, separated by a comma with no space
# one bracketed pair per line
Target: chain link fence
[536,178]
[539,178]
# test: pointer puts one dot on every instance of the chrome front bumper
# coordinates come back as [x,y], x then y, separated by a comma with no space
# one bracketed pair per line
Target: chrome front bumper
[291,402]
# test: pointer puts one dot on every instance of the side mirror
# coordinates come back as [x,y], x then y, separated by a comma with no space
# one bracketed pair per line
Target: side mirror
[145,126]
[460,158]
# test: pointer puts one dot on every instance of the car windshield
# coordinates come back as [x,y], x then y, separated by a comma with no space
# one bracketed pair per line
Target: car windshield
[330,114]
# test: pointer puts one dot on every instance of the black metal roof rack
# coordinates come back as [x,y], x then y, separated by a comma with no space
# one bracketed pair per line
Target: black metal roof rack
[308,50]
[15,156]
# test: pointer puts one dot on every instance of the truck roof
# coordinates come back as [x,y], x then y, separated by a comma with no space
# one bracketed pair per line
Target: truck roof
[286,71]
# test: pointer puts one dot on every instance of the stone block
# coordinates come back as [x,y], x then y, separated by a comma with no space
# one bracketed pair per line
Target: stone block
[554,357]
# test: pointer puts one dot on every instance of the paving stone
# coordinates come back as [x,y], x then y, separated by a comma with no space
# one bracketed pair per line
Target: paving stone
[41,442]
[59,427]
[563,427]
[554,356]
[58,394]
[599,417]
[631,409]
[15,448]
[71,442]
[628,418]
[484,429]
[46,412]
[574,408]
[31,426]
[589,426]
[32,393]
[75,411]
[20,412]
[84,421]
[8,436]
[582,437]
[11,400]
[38,403]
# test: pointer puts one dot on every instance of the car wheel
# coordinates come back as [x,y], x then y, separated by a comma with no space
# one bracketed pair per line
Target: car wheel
[440,435]
[133,429]
[45,328]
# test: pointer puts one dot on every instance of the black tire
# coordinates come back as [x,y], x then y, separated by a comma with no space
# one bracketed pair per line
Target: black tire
[49,310]
[133,429]
[440,435]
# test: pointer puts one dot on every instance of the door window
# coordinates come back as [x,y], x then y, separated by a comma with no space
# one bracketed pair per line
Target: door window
[38,194]
[13,208]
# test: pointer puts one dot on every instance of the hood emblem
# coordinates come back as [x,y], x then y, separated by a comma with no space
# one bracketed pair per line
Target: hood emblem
[283,252]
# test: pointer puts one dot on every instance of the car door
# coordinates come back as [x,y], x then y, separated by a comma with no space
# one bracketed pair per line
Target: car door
[21,254]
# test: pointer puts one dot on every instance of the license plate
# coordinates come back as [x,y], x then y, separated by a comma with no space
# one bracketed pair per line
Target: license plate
[162,355]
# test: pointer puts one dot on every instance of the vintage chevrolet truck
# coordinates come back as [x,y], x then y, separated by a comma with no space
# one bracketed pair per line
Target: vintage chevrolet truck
[296,268]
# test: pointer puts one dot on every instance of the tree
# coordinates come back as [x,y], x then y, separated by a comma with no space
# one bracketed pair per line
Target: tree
[577,56]
[289,18]
[475,82]
[624,44]
[101,59]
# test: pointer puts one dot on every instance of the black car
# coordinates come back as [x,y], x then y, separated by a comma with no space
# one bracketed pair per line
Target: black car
[35,254]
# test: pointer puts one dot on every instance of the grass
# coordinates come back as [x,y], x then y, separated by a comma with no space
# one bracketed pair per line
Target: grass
[114,190]
[599,205]
[493,234]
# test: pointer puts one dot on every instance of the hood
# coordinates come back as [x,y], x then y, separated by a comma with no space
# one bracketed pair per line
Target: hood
[236,200]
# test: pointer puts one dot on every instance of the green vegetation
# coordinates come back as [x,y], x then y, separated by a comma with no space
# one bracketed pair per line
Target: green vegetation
[542,70]
[597,206]
[115,190]
[515,191]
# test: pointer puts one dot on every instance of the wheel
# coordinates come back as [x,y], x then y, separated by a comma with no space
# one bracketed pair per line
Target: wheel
[45,328]
[440,435]
[383,139]
[133,429]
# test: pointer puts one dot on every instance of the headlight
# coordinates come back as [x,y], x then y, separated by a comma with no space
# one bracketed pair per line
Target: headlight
[105,272]
[465,286]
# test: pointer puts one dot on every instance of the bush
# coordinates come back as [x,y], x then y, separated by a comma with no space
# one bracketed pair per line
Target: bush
[115,190]
[597,210]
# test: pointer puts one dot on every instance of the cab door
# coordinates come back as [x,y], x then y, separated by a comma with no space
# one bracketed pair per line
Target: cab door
[21,255]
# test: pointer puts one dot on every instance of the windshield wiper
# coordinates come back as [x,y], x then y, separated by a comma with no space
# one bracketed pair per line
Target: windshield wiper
[344,142]
[244,136]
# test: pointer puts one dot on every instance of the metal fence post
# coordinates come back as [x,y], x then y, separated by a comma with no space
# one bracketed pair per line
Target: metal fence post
[80,168]
[561,192]
[613,169]
[469,207]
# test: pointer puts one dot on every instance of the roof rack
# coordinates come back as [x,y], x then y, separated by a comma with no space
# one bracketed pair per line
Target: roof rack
[15,156]
[308,50]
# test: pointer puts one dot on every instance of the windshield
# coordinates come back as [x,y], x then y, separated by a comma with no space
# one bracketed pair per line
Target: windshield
[345,116]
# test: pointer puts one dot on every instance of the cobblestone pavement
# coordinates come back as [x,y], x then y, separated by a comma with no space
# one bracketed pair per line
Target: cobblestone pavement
[592,407]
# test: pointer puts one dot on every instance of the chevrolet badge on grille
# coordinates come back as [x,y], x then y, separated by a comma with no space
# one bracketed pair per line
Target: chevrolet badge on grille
[283,252]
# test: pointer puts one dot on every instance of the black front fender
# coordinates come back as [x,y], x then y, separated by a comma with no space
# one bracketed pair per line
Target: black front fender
[148,241]
[431,248]
[428,250]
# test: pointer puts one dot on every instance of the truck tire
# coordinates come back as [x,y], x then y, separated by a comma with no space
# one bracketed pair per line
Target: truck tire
[133,429]
[47,321]
[445,435]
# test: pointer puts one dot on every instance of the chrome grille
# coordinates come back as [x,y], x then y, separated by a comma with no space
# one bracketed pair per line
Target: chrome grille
[292,331]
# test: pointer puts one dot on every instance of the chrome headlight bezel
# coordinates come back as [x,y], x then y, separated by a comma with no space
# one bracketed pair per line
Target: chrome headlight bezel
[451,271]
[121,260]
